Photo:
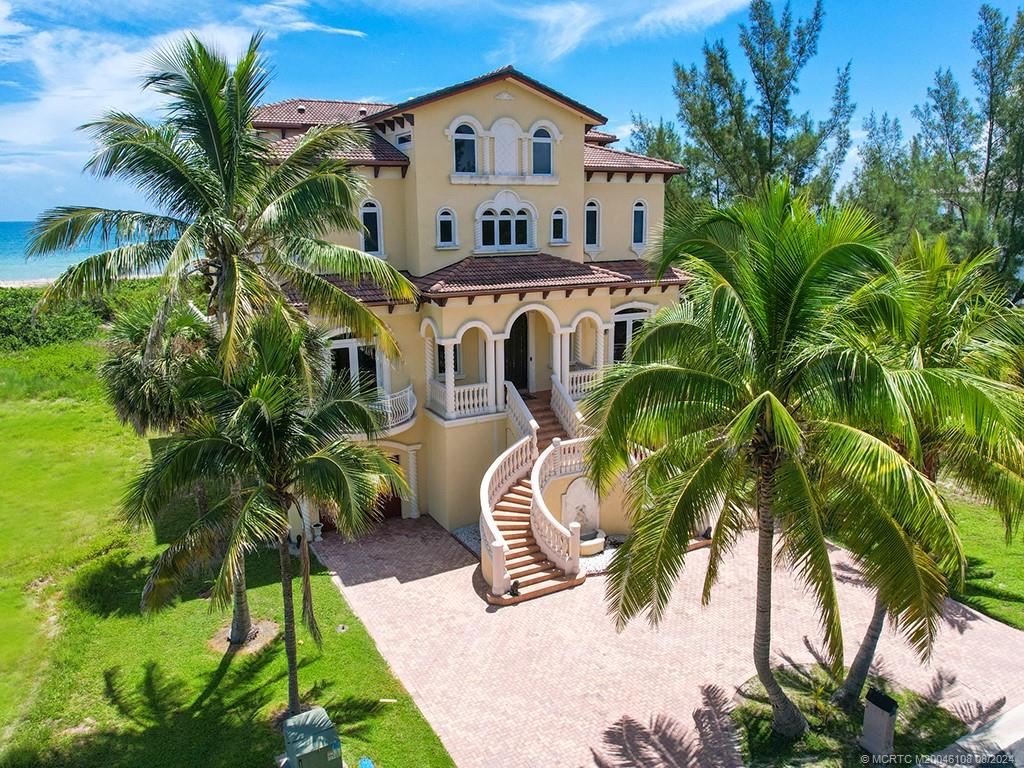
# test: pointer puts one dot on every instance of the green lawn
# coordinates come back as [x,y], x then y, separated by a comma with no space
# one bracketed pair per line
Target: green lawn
[88,681]
[995,569]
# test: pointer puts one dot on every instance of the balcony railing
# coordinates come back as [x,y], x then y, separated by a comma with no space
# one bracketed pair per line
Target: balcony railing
[581,380]
[466,399]
[397,408]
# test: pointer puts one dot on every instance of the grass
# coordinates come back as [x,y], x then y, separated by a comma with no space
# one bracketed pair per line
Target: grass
[995,569]
[922,727]
[96,683]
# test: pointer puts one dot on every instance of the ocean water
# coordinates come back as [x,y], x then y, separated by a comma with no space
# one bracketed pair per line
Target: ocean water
[14,236]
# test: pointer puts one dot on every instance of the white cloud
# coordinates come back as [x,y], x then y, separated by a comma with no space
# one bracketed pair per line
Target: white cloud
[9,26]
[560,28]
[677,15]
[287,16]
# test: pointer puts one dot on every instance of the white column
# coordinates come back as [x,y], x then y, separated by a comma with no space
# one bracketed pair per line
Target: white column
[556,352]
[563,373]
[414,491]
[499,373]
[492,380]
[526,145]
[485,150]
[599,351]
[449,378]
[610,344]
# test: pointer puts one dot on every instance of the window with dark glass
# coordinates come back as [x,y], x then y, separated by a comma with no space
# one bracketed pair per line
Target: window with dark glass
[639,224]
[592,224]
[487,225]
[542,151]
[628,323]
[457,356]
[558,226]
[446,228]
[505,228]
[465,150]
[371,227]
[522,233]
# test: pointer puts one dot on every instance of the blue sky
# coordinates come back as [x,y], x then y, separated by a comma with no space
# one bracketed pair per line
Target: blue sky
[62,63]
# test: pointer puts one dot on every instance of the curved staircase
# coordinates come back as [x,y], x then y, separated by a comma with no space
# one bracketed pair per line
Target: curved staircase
[524,567]
[531,573]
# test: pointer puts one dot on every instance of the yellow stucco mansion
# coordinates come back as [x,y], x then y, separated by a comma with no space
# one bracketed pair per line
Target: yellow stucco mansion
[523,231]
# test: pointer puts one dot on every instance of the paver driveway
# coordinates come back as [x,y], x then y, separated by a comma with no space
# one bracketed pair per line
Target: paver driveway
[550,684]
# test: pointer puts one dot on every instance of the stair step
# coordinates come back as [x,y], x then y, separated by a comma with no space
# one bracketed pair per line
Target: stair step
[511,506]
[538,590]
[511,517]
[521,572]
[521,555]
[522,538]
[507,526]
[551,572]
[514,495]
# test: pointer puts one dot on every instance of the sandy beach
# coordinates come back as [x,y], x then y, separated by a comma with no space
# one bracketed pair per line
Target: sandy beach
[37,283]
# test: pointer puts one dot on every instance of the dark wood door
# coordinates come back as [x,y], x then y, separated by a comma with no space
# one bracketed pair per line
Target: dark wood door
[517,359]
[392,505]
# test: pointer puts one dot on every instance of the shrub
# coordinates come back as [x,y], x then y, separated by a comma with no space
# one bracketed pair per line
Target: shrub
[20,329]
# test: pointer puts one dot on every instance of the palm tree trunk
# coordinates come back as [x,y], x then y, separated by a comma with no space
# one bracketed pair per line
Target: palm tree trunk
[289,625]
[849,692]
[786,718]
[241,619]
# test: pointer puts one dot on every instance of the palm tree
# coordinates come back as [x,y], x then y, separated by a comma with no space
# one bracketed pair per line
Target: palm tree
[732,406]
[148,395]
[285,436]
[231,213]
[955,315]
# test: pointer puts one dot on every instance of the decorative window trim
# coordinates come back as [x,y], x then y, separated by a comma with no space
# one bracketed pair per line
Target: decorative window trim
[638,247]
[592,248]
[380,227]
[548,140]
[564,239]
[469,137]
[555,133]
[505,200]
[437,229]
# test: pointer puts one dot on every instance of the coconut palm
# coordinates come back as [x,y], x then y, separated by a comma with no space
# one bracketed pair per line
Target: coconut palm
[955,315]
[732,407]
[230,211]
[286,437]
[147,393]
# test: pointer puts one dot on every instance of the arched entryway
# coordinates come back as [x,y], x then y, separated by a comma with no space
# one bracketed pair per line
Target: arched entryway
[531,347]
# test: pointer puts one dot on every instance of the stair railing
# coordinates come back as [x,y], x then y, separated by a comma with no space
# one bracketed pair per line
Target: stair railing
[560,544]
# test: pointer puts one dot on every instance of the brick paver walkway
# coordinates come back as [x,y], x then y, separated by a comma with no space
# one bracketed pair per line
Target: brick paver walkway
[550,684]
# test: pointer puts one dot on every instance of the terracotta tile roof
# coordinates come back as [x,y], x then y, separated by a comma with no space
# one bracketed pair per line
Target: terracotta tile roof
[379,151]
[504,73]
[530,272]
[366,291]
[597,158]
[600,137]
[641,272]
[286,114]
[496,275]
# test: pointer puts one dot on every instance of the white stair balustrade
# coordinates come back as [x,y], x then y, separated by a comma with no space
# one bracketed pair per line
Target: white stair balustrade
[581,380]
[513,464]
[559,544]
[565,409]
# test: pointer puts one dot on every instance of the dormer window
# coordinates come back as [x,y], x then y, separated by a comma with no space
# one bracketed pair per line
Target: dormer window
[369,215]
[465,149]
[541,142]
[403,141]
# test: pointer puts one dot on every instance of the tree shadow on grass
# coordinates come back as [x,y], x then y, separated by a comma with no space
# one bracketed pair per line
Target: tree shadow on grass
[166,724]
[978,593]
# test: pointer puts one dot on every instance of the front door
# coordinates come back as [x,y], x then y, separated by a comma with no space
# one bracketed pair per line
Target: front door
[391,506]
[517,359]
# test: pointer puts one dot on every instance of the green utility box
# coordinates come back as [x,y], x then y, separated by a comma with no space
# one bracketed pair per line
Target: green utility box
[311,741]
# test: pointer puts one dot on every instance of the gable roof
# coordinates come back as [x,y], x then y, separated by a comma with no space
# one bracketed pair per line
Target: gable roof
[504,73]
[302,113]
[597,158]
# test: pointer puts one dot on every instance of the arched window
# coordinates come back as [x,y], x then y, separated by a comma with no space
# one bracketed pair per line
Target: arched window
[627,323]
[542,152]
[369,215]
[488,229]
[465,149]
[447,234]
[559,227]
[639,223]
[592,225]
[505,228]
[521,235]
